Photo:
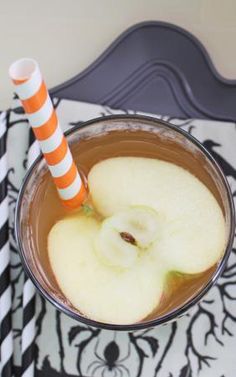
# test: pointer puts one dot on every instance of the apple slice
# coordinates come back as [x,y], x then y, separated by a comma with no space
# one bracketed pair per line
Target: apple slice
[122,293]
[157,218]
[193,227]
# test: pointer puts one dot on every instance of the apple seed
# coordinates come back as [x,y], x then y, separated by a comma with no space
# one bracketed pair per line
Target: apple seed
[127,237]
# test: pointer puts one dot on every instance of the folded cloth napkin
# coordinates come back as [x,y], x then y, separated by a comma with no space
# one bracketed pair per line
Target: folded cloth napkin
[200,344]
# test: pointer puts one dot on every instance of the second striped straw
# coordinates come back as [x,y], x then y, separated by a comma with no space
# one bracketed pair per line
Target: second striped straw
[33,93]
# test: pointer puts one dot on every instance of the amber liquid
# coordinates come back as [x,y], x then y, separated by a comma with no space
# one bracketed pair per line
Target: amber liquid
[46,204]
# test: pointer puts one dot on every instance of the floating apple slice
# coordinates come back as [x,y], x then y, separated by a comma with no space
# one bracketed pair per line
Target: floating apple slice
[193,226]
[157,218]
[102,292]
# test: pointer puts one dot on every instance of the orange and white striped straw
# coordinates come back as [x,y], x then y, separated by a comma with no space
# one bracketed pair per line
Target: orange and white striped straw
[33,93]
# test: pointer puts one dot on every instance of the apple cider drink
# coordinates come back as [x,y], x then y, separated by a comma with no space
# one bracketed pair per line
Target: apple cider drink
[149,235]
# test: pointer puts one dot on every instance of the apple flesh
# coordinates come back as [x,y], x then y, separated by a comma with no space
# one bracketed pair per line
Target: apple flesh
[157,218]
[192,236]
[102,292]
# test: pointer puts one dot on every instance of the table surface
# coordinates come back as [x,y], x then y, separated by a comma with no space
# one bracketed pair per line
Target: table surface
[70,34]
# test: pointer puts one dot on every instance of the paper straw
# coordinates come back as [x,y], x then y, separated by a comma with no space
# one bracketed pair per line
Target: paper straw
[28,330]
[29,297]
[6,338]
[32,91]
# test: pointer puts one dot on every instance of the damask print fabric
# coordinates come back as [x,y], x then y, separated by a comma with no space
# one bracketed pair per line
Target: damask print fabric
[202,343]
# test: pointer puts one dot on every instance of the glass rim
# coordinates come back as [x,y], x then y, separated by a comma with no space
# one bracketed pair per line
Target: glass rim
[175,313]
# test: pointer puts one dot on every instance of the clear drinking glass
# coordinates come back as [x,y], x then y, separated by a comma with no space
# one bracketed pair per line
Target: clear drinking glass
[180,145]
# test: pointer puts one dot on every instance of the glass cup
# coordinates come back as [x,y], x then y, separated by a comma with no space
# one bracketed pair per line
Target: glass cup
[180,146]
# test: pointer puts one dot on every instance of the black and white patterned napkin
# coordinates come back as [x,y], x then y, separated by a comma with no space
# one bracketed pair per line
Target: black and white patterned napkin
[202,344]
